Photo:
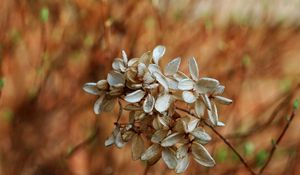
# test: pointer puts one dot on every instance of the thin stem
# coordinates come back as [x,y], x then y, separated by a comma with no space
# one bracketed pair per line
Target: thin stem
[146,170]
[224,140]
[274,146]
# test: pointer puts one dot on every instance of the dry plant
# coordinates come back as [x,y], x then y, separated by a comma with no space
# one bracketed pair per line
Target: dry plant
[153,98]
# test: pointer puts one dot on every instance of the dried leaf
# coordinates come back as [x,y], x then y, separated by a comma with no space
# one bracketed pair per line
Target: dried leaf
[91,88]
[169,158]
[119,141]
[172,139]
[115,78]
[206,85]
[133,62]
[188,97]
[163,102]
[116,64]
[199,108]
[137,147]
[151,152]
[158,52]
[135,96]
[201,155]
[149,103]
[192,125]
[185,84]
[148,79]
[141,70]
[172,67]
[193,68]
[222,100]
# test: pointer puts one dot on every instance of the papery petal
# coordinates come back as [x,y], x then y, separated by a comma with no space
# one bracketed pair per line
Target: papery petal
[182,164]
[206,85]
[135,96]
[151,152]
[137,147]
[124,56]
[115,78]
[158,52]
[169,158]
[193,68]
[201,135]
[163,102]
[172,139]
[213,114]
[199,108]
[159,135]
[149,103]
[188,97]
[98,103]
[162,80]
[172,67]
[222,100]
[201,155]
[185,84]
[91,88]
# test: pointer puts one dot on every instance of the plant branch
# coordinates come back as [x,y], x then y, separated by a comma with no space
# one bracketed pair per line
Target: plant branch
[274,145]
[225,141]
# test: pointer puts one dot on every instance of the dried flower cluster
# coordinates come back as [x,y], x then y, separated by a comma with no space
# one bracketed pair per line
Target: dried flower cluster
[153,97]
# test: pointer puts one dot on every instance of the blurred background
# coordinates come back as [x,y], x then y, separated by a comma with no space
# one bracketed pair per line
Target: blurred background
[50,48]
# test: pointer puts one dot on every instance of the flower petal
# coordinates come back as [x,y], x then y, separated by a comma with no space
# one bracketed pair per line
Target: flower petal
[169,158]
[188,97]
[162,80]
[182,164]
[222,100]
[159,135]
[149,103]
[115,78]
[154,68]
[98,103]
[163,102]
[172,67]
[91,88]
[151,152]
[192,125]
[206,101]
[141,70]
[173,84]
[135,96]
[199,108]
[201,135]
[158,52]
[219,90]
[201,155]
[193,68]
[180,76]
[172,139]
[185,84]
[146,58]
[137,147]
[119,141]
[109,141]
[206,85]
[124,56]
[102,84]
[213,114]
[133,62]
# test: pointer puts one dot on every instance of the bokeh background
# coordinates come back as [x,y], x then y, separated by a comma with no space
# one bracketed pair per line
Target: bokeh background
[50,48]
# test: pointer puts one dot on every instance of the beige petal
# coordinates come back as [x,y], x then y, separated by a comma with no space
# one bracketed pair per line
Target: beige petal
[154,68]
[109,141]
[180,76]
[193,68]
[131,75]
[108,104]
[220,124]
[188,97]
[141,69]
[213,114]
[146,58]
[98,103]
[185,84]
[148,79]
[182,151]
[115,78]
[102,84]
[137,147]
[172,67]
[219,90]
[163,102]
[119,141]
[149,103]
[158,52]
[201,155]
[172,139]
[151,152]
[133,62]
[199,108]
[169,158]
[124,56]
[206,101]
[222,100]
[116,64]
[173,84]
[156,124]
[151,86]
[134,86]
[206,85]
[201,135]
[135,96]
[159,135]
[91,88]
[162,80]
[192,125]
[182,164]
